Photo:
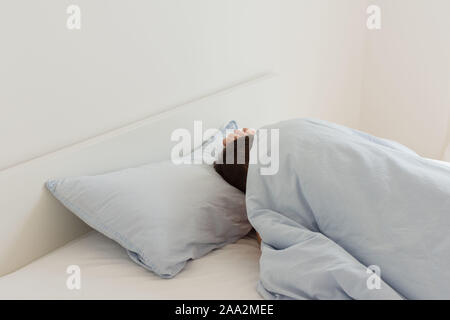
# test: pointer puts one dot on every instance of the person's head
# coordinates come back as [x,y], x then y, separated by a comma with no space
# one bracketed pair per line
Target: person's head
[234,159]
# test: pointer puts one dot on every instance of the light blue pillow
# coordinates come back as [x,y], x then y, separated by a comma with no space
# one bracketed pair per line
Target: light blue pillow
[162,214]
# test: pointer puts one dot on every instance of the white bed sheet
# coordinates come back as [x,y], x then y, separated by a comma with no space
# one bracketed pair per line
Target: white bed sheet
[108,273]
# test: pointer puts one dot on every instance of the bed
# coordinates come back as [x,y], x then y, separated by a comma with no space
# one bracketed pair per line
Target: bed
[40,238]
[107,273]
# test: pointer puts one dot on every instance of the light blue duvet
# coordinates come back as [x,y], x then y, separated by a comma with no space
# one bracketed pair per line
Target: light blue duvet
[343,201]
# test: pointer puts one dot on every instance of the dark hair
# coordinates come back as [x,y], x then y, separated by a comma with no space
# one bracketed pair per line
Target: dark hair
[233,162]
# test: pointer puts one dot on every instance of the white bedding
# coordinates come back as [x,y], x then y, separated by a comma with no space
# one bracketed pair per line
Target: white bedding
[108,273]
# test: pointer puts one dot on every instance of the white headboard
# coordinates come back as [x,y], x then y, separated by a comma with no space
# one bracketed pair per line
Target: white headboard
[33,223]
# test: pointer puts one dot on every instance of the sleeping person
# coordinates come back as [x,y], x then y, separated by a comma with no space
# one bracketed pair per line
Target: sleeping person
[347,216]
[233,171]
[236,145]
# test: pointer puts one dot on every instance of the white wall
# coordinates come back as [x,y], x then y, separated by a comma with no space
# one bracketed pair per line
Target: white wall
[321,58]
[406,92]
[129,60]
[132,59]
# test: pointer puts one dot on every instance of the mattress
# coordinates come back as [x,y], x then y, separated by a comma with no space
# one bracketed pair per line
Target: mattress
[107,272]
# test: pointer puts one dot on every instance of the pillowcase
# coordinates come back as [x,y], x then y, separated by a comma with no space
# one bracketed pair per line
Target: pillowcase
[162,214]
